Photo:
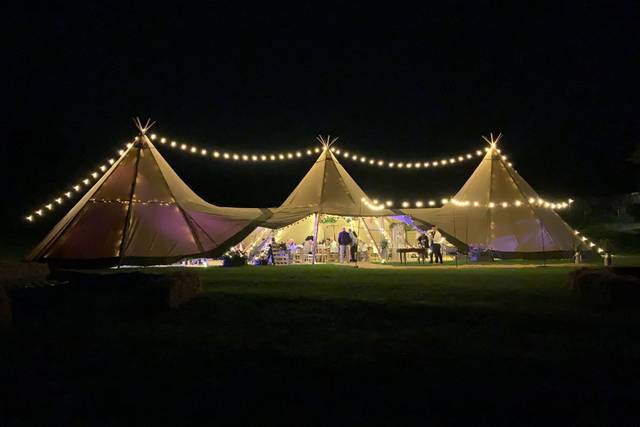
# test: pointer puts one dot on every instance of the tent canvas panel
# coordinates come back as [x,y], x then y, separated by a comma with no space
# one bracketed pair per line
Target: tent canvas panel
[93,234]
[158,230]
[160,227]
[149,181]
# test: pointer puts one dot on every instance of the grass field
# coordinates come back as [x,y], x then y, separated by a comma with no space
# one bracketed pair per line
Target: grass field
[335,345]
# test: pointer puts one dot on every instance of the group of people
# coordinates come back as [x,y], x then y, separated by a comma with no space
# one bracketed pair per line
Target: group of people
[348,245]
[430,243]
[344,249]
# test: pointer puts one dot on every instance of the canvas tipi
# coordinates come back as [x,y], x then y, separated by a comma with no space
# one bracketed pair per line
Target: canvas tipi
[326,199]
[140,212]
[496,209]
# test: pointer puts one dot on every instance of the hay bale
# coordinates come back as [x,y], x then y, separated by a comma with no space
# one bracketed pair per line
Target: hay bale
[607,287]
[6,311]
[83,294]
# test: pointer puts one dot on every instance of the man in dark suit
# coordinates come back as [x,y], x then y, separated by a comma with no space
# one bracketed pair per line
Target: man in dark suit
[344,240]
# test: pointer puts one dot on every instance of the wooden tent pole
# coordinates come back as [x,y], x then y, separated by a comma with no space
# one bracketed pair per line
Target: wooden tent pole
[316,219]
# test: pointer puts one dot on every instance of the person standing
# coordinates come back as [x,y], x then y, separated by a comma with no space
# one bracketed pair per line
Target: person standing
[354,245]
[423,244]
[577,257]
[384,249]
[344,240]
[272,245]
[437,252]
[431,235]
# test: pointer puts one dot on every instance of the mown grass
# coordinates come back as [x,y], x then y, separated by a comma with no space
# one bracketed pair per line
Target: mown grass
[336,345]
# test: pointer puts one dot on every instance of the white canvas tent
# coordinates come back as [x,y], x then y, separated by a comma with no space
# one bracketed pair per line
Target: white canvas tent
[140,212]
[326,191]
[496,209]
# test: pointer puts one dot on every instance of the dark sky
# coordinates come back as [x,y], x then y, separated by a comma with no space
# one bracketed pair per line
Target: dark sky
[560,82]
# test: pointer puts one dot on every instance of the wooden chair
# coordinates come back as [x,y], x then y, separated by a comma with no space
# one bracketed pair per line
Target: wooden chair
[280,257]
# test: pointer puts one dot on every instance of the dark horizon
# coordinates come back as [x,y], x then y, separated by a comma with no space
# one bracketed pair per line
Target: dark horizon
[560,84]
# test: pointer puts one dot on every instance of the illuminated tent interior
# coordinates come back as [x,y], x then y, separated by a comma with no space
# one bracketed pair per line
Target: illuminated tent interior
[141,213]
[326,200]
[496,209]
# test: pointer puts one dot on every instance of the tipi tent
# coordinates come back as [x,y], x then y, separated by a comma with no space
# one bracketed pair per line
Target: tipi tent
[326,199]
[140,212]
[497,210]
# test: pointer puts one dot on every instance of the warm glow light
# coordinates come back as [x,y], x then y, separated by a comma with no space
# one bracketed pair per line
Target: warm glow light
[444,201]
[492,205]
[432,202]
[518,203]
[405,204]
[418,204]
[235,157]
[203,152]
[193,149]
[216,154]
[389,203]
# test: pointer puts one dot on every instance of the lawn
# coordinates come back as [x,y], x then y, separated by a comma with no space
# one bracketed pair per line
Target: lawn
[336,345]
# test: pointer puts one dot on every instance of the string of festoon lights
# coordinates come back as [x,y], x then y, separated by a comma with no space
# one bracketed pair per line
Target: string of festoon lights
[589,243]
[297,154]
[85,183]
[376,205]
[78,188]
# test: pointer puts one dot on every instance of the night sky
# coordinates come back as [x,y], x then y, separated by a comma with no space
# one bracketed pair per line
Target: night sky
[560,82]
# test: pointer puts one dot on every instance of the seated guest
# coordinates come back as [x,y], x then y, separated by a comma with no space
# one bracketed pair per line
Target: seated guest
[333,250]
[291,248]
[307,247]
